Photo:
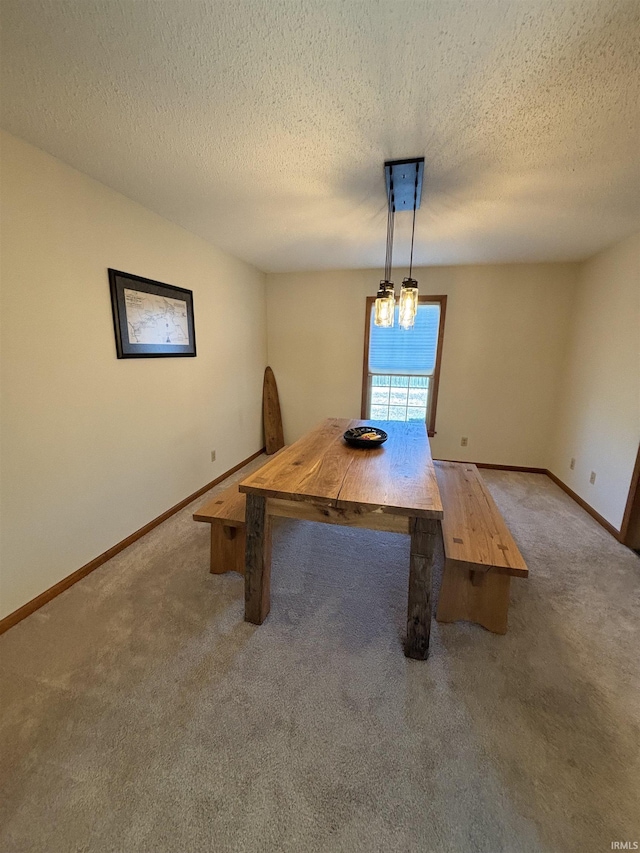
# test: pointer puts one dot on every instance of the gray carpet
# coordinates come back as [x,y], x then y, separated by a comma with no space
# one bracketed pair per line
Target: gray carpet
[140,713]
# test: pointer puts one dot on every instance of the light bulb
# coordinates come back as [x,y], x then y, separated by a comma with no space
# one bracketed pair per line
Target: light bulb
[385,305]
[408,307]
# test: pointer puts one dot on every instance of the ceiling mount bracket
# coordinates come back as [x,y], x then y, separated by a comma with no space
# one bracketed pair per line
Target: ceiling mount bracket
[404,183]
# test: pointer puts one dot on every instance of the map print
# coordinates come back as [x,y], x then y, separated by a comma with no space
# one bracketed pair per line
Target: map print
[153,319]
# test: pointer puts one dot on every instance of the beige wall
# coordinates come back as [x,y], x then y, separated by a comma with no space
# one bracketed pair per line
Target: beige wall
[599,415]
[504,343]
[92,447]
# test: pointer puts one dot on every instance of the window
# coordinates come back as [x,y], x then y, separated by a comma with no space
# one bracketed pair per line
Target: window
[402,366]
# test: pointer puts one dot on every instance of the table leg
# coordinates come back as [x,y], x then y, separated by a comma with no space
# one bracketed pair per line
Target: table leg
[257,572]
[423,542]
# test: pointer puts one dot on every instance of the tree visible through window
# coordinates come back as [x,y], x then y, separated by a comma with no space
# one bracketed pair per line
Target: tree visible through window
[402,366]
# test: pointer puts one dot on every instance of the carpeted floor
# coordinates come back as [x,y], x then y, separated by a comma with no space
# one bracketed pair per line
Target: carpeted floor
[141,713]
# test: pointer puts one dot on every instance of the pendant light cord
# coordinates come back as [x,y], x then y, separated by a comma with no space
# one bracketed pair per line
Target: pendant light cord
[392,218]
[390,227]
[413,229]
[386,257]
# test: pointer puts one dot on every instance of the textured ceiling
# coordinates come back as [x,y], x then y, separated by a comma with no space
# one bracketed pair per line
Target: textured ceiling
[263,125]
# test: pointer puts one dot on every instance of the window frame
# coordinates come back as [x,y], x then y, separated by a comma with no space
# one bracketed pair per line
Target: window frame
[433,400]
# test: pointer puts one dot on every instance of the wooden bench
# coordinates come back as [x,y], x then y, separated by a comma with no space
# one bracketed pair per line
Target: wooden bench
[225,513]
[481,555]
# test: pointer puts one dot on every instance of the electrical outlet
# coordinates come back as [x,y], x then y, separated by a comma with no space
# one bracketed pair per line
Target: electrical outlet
[213,456]
[592,478]
[572,464]
[464,441]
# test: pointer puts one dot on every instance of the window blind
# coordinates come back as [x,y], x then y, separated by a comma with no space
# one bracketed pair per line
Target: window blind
[406,351]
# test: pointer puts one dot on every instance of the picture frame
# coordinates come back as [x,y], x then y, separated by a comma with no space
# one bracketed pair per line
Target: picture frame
[151,319]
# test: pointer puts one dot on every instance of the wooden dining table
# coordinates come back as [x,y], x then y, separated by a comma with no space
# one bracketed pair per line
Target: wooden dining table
[321,478]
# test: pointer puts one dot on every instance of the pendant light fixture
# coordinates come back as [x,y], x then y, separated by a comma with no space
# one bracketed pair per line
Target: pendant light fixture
[404,191]
[386,296]
[409,289]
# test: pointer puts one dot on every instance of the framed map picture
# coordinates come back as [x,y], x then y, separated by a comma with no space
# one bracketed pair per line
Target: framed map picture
[151,319]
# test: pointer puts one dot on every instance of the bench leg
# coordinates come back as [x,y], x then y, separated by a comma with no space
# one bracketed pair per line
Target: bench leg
[227,549]
[257,573]
[423,542]
[480,597]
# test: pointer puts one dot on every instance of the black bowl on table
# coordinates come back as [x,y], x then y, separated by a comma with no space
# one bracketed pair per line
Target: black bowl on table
[374,437]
